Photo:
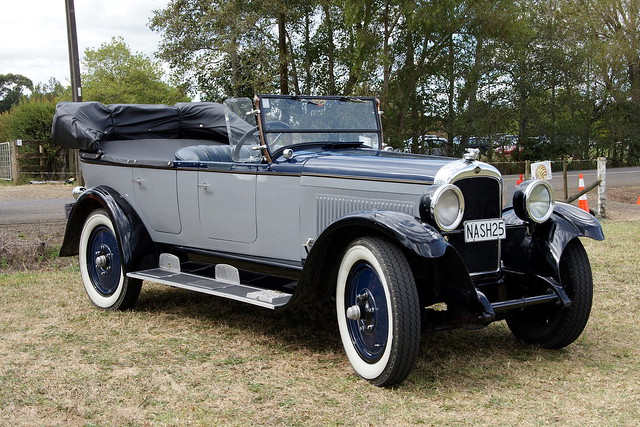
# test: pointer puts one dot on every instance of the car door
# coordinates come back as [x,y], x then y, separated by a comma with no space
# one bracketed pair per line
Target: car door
[156,195]
[227,202]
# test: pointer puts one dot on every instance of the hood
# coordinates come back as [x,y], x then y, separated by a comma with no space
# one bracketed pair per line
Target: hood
[377,165]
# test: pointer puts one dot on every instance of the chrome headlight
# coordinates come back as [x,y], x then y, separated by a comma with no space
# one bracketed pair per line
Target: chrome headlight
[442,206]
[77,191]
[533,200]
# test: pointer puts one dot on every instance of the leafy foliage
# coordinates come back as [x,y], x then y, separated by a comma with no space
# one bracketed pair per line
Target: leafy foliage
[566,73]
[31,120]
[113,74]
[12,87]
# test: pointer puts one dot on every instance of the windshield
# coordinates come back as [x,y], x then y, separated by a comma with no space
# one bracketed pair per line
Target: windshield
[290,120]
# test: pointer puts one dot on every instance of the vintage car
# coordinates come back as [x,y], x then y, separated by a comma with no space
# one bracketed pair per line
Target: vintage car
[288,201]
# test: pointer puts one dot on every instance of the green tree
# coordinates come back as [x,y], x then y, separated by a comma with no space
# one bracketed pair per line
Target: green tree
[561,71]
[12,87]
[31,120]
[218,48]
[31,117]
[616,76]
[113,74]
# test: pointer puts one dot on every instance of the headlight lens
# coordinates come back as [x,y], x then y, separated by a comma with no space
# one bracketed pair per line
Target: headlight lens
[443,206]
[77,191]
[533,200]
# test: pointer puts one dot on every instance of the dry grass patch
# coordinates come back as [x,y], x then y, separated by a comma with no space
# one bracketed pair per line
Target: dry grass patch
[182,357]
[31,246]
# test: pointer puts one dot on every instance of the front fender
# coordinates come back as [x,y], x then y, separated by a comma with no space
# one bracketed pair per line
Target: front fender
[409,232]
[135,244]
[449,281]
[540,250]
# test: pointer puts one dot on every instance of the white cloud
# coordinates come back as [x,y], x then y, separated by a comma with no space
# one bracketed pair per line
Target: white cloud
[33,33]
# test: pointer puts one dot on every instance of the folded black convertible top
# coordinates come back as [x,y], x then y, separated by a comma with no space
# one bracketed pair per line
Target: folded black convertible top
[85,125]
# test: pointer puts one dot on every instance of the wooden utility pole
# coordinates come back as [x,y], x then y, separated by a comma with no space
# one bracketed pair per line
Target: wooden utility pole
[74,60]
[74,65]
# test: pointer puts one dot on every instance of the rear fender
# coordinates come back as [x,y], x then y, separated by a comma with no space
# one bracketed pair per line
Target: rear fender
[136,246]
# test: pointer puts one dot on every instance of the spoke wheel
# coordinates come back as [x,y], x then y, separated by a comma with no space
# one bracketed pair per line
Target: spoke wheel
[378,311]
[101,265]
[551,326]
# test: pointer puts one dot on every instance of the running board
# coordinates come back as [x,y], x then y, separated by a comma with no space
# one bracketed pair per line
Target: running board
[222,288]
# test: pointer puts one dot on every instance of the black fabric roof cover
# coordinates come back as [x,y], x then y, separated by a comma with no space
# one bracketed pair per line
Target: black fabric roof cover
[86,125]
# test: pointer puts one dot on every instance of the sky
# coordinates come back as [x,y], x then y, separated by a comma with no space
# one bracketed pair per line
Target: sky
[33,33]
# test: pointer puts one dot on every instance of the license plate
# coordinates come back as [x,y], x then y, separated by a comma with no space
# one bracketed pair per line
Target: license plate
[483,230]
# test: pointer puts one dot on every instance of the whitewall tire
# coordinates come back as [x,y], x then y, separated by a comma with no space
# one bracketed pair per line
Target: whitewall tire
[101,265]
[378,311]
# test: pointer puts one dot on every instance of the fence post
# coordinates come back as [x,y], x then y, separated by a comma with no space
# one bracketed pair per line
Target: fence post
[602,188]
[564,177]
[15,170]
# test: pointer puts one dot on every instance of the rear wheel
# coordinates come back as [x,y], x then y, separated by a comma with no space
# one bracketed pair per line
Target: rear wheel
[378,311]
[551,326]
[101,265]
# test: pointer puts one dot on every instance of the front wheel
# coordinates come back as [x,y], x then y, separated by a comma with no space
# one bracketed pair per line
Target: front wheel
[378,311]
[552,326]
[101,265]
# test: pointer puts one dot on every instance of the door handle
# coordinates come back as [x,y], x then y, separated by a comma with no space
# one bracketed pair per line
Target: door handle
[204,185]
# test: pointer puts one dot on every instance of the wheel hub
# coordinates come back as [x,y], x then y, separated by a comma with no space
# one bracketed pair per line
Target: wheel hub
[103,260]
[364,311]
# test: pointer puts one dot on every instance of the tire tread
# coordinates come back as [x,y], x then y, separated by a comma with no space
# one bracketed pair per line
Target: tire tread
[576,278]
[404,298]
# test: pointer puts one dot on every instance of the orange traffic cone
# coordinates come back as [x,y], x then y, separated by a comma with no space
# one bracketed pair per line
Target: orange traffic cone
[519,181]
[638,202]
[583,203]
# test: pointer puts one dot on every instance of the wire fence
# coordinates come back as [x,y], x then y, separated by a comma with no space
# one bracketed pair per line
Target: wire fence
[5,161]
[514,168]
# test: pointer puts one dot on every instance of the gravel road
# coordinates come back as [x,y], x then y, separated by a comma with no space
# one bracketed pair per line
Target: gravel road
[33,204]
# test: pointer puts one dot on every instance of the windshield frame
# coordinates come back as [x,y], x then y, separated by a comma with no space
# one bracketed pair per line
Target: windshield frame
[264,132]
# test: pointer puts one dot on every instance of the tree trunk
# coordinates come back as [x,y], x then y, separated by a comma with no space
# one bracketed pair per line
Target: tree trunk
[451,95]
[282,50]
[331,48]
[386,58]
[233,57]
[294,69]
[307,56]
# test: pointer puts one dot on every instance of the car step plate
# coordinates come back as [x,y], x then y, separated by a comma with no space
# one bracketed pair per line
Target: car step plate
[250,294]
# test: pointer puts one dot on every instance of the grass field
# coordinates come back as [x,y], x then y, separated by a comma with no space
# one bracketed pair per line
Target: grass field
[184,358]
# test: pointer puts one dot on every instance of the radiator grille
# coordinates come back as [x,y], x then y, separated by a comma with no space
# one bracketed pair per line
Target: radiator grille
[482,201]
[330,208]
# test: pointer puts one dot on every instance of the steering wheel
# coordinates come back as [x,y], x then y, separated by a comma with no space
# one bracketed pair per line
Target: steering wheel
[278,125]
[248,135]
[251,134]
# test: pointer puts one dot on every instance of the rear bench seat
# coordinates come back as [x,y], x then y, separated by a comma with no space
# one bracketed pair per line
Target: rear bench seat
[204,153]
[212,153]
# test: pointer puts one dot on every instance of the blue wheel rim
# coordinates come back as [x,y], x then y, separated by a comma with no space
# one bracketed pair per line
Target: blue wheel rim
[368,334]
[104,264]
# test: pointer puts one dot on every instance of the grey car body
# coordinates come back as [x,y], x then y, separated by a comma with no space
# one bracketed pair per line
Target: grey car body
[287,201]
